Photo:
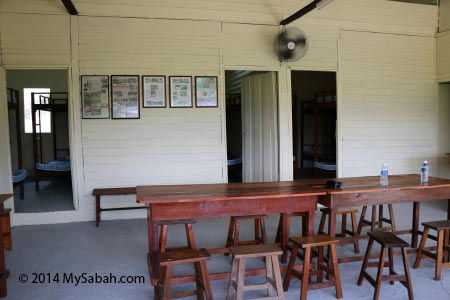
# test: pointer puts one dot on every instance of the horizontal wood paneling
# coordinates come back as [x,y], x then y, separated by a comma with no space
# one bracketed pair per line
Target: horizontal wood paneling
[384,117]
[444,15]
[443,57]
[35,40]
[33,6]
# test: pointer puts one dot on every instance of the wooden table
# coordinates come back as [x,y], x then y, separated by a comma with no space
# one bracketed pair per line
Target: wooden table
[366,191]
[221,200]
[4,273]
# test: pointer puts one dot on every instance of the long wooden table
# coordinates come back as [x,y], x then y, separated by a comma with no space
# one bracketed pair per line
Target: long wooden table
[178,202]
[4,273]
[366,191]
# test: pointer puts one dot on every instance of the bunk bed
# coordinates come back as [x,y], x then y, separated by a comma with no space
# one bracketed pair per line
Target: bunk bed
[19,175]
[322,151]
[55,102]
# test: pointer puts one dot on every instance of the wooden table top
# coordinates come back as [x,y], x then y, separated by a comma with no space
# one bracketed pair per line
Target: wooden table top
[369,184]
[225,191]
[4,197]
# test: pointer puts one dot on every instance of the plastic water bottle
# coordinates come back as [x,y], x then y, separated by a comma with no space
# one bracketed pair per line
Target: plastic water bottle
[384,176]
[424,172]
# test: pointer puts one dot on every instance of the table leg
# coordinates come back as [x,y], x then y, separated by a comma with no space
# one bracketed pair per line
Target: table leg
[3,271]
[308,224]
[153,249]
[332,223]
[415,224]
[448,209]
[284,236]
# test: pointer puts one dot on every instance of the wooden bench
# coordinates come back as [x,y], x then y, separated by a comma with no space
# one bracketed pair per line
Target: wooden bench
[112,192]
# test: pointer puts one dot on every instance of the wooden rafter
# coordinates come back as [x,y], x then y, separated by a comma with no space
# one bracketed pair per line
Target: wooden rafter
[71,9]
[303,11]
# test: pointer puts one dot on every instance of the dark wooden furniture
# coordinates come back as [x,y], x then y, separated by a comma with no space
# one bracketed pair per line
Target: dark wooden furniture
[222,200]
[98,193]
[273,282]
[344,230]
[14,105]
[172,258]
[4,273]
[234,230]
[388,241]
[306,271]
[189,234]
[365,191]
[442,254]
[373,223]
[54,102]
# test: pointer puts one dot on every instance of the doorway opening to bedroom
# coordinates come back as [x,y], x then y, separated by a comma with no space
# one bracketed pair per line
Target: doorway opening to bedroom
[39,140]
[314,117]
[252,126]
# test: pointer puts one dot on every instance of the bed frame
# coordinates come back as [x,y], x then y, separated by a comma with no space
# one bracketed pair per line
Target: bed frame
[55,102]
[13,105]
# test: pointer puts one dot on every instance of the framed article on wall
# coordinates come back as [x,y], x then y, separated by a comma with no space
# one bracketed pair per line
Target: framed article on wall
[206,91]
[125,96]
[180,88]
[154,91]
[95,96]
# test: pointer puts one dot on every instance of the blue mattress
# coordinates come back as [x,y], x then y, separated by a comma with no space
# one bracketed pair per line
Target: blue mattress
[234,161]
[56,166]
[325,166]
[19,175]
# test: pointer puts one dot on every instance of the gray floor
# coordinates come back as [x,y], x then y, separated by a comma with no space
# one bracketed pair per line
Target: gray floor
[55,194]
[119,248]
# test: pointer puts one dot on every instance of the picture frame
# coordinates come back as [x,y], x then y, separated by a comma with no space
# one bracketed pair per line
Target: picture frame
[154,91]
[206,91]
[180,90]
[95,97]
[125,97]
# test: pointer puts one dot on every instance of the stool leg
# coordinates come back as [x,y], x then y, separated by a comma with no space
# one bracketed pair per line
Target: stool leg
[287,276]
[336,274]
[206,283]
[343,224]
[446,243]
[392,217]
[305,275]
[373,221]
[270,277]
[257,230]
[262,228]
[365,261]
[391,263]
[167,282]
[380,216]
[240,280]
[237,230]
[322,223]
[407,274]
[355,233]
[230,234]
[198,280]
[279,230]
[190,236]
[361,219]
[233,278]
[379,273]
[163,238]
[320,259]
[440,247]
[277,275]
[421,246]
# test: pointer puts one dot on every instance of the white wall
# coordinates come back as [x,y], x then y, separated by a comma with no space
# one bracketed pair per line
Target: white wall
[57,81]
[198,38]
[444,15]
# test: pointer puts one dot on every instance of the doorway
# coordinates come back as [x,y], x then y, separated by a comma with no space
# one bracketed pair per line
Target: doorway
[39,139]
[314,116]
[252,126]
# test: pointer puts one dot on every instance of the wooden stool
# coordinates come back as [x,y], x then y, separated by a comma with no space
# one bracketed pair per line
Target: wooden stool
[189,234]
[386,240]
[373,221]
[330,269]
[443,246]
[344,231]
[185,256]
[273,284]
[234,230]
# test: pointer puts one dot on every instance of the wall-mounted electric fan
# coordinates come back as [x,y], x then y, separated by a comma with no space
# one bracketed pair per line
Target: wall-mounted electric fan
[290,44]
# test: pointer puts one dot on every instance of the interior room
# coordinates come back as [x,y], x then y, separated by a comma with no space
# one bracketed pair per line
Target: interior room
[39,187]
[314,117]
[224,149]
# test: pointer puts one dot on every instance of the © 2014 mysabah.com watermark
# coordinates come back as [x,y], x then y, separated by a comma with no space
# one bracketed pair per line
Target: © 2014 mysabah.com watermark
[77,279]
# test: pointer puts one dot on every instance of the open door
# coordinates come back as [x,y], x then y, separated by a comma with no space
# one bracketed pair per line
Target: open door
[5,161]
[260,128]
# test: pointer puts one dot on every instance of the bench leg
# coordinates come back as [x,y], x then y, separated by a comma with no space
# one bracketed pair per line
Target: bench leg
[97,210]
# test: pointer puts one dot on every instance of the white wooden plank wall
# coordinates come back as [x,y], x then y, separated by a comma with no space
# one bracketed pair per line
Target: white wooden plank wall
[166,145]
[444,15]
[29,40]
[443,57]
[387,102]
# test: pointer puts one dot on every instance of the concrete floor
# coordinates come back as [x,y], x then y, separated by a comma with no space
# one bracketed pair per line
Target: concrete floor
[119,247]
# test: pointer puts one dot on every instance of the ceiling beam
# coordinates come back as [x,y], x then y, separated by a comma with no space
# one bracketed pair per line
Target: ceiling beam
[311,6]
[71,9]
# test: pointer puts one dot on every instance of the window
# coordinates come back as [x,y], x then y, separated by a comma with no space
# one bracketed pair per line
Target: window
[45,115]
